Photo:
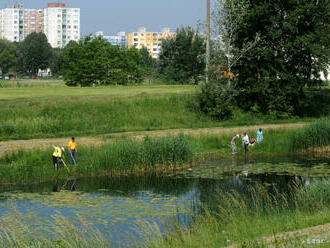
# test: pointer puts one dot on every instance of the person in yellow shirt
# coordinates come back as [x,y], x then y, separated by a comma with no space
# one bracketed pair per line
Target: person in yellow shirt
[72,151]
[57,156]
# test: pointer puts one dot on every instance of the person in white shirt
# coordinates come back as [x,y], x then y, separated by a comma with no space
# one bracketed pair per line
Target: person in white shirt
[246,142]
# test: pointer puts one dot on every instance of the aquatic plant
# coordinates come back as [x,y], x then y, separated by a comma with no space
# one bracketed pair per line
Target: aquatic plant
[121,157]
[247,218]
[314,135]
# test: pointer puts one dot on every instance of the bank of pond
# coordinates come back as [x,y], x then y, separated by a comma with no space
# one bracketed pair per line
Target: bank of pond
[236,201]
[162,155]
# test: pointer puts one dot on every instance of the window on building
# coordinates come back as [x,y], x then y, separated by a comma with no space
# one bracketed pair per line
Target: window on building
[75,27]
[135,34]
[136,39]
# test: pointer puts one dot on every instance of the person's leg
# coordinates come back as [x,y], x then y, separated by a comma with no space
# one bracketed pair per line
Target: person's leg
[54,162]
[70,157]
[73,156]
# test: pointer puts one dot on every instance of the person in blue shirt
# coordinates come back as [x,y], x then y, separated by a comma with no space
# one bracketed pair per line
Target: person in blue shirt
[260,136]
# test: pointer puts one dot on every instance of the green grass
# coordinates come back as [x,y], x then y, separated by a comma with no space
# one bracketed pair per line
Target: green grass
[151,155]
[245,218]
[53,89]
[314,135]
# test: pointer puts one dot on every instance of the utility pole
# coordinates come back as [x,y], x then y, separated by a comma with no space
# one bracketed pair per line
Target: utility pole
[208,38]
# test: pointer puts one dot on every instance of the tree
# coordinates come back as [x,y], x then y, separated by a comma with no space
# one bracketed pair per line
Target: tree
[182,56]
[35,52]
[227,19]
[94,61]
[56,61]
[290,54]
[7,56]
[147,62]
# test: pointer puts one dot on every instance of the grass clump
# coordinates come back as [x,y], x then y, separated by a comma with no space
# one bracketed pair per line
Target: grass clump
[314,135]
[247,218]
[117,158]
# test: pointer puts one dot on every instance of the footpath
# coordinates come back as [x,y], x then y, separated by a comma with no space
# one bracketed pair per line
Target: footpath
[7,147]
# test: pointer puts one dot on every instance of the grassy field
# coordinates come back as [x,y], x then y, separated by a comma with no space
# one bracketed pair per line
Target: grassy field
[48,109]
[31,89]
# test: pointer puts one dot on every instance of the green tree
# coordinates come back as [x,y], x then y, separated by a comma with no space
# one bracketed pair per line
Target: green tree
[56,61]
[290,54]
[182,56]
[7,56]
[35,53]
[94,61]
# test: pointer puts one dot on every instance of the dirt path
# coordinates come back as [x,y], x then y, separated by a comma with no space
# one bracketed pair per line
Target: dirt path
[14,145]
[313,235]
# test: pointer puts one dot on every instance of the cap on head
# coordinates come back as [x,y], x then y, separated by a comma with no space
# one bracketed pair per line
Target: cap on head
[62,148]
[237,135]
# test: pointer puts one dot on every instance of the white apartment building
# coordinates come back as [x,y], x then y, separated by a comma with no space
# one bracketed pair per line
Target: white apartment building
[60,24]
[10,22]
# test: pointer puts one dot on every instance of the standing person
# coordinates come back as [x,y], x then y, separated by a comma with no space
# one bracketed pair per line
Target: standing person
[57,156]
[72,151]
[233,144]
[246,142]
[260,136]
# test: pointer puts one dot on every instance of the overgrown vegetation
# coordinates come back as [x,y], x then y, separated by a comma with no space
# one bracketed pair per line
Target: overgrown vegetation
[314,135]
[119,158]
[270,211]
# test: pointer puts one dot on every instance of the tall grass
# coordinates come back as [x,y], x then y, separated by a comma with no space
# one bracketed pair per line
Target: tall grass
[90,116]
[18,230]
[246,218]
[314,135]
[117,158]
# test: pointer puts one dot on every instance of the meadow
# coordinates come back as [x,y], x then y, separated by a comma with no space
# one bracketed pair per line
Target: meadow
[46,109]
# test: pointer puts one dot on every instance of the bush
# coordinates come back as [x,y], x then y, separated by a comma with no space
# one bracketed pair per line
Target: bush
[217,100]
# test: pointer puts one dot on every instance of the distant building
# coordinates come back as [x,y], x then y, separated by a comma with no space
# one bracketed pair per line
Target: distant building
[150,40]
[60,24]
[116,40]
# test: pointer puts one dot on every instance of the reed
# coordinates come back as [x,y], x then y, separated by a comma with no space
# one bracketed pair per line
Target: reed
[245,218]
[118,158]
[312,136]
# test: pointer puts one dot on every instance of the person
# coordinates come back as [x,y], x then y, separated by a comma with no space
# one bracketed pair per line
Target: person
[246,142]
[260,135]
[57,156]
[252,141]
[233,145]
[72,151]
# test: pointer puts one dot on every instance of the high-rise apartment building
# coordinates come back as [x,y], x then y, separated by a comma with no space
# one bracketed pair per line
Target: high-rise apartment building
[60,24]
[150,40]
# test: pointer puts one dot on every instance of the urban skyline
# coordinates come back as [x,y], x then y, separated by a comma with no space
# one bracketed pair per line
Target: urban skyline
[128,15]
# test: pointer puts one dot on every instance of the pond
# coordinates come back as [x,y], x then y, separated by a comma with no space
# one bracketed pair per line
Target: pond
[119,206]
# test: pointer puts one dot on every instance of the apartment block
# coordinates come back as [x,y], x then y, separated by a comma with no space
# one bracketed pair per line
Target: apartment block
[60,24]
[150,40]
[116,40]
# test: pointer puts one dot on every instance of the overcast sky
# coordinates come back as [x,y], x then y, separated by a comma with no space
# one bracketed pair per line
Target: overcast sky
[113,16]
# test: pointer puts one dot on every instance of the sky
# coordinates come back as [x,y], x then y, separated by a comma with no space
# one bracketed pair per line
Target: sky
[112,16]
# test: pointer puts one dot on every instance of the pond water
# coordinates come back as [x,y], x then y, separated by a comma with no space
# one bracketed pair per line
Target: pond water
[118,206]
